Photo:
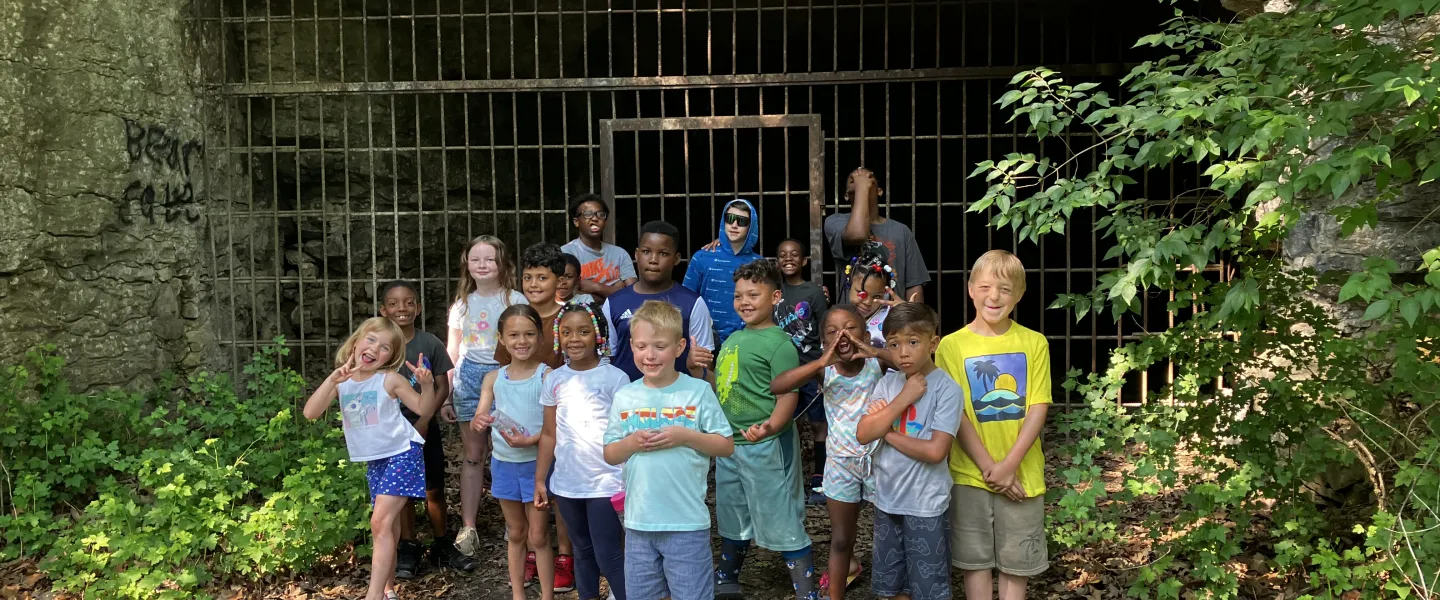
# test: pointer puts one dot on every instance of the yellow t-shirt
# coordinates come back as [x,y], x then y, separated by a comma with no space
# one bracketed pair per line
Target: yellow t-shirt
[1002,377]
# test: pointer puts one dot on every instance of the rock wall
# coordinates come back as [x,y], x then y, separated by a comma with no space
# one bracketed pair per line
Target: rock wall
[102,187]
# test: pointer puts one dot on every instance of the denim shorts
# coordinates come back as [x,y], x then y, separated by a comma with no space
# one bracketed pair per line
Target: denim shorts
[468,378]
[669,564]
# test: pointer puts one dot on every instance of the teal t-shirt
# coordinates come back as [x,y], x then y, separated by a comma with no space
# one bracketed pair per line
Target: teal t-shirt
[665,489]
[749,361]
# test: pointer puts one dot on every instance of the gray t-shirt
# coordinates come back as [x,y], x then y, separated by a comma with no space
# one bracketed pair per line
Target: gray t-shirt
[800,313]
[608,266]
[905,257]
[434,351]
[905,486]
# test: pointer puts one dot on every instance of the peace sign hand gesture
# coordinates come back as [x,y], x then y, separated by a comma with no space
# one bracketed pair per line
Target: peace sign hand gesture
[422,374]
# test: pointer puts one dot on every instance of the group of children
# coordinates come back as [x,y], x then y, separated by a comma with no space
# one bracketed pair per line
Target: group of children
[604,387]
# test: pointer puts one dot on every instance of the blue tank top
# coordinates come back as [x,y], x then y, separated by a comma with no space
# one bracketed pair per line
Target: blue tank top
[521,401]
[623,305]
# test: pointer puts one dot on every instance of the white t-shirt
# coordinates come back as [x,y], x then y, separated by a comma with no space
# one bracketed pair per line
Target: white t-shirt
[374,427]
[477,319]
[582,412]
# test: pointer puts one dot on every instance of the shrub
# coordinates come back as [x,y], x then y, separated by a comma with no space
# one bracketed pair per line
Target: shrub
[159,495]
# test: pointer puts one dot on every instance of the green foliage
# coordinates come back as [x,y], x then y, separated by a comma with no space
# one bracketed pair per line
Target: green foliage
[128,496]
[1282,381]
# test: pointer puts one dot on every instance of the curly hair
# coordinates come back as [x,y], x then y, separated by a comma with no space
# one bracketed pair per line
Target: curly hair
[759,271]
[545,255]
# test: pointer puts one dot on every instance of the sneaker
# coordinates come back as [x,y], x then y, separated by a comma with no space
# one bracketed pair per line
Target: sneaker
[817,492]
[467,541]
[444,554]
[532,572]
[564,573]
[407,559]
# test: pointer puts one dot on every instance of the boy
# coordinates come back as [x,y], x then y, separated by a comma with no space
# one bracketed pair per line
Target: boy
[710,271]
[915,411]
[656,257]
[665,428]
[847,232]
[800,312]
[401,304]
[757,489]
[997,515]
[565,291]
[604,268]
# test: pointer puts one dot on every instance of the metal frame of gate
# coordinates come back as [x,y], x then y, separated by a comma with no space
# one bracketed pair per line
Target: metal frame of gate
[815,149]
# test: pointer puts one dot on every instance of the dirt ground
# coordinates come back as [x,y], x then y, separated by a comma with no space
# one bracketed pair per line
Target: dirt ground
[1089,573]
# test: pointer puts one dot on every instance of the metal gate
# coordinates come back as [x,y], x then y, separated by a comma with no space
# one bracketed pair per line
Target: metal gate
[360,141]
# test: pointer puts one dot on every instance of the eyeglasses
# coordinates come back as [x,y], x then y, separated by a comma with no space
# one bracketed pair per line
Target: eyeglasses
[594,214]
[734,219]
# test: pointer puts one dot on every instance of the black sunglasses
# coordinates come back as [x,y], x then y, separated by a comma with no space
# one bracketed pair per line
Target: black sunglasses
[734,219]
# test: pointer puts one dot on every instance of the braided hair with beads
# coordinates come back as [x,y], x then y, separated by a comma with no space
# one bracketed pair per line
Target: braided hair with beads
[870,261]
[597,321]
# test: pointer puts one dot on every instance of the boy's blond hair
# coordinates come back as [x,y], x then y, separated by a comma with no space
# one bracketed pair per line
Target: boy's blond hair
[379,326]
[1003,265]
[662,316]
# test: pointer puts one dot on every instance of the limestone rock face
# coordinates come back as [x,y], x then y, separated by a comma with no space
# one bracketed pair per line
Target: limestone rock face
[102,188]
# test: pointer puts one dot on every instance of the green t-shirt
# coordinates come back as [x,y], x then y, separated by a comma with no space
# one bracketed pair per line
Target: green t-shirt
[748,362]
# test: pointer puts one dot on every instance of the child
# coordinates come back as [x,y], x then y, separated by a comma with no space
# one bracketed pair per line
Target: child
[565,290]
[757,490]
[377,434]
[800,313]
[514,390]
[915,412]
[665,428]
[542,265]
[656,257]
[541,268]
[577,399]
[401,304]
[710,271]
[604,268]
[868,284]
[848,370]
[998,468]
[849,231]
[486,288]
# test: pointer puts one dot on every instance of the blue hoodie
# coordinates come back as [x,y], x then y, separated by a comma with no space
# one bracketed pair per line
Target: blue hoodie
[711,274]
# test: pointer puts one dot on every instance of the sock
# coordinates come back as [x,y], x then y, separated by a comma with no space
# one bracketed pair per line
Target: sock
[802,572]
[732,557]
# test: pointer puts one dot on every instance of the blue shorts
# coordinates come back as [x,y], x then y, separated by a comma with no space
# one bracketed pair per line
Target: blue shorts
[400,475]
[669,564]
[467,388]
[811,404]
[512,481]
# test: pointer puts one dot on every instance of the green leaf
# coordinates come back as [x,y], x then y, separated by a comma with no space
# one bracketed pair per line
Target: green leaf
[1379,309]
[1411,94]
[1410,310]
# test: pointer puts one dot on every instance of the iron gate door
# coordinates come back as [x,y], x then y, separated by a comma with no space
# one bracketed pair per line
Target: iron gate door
[788,186]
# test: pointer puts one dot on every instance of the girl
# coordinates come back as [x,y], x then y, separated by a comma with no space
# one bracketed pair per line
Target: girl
[565,293]
[486,287]
[577,410]
[848,372]
[377,434]
[514,389]
[869,285]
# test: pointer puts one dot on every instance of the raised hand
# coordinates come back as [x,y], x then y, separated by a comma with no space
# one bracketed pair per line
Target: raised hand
[342,373]
[712,245]
[421,374]
[892,300]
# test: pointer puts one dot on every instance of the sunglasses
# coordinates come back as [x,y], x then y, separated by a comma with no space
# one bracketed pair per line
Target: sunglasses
[734,219]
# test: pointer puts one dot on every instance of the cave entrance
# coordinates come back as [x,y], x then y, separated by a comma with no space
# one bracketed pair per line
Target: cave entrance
[639,179]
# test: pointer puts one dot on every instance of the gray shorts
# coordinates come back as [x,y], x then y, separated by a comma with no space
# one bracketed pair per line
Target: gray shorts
[911,557]
[989,531]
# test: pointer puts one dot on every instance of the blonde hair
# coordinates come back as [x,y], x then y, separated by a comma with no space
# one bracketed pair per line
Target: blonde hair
[502,263]
[662,316]
[1003,265]
[380,325]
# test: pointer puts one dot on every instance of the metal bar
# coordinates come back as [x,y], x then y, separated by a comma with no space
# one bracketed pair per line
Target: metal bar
[719,122]
[817,195]
[744,80]
[607,172]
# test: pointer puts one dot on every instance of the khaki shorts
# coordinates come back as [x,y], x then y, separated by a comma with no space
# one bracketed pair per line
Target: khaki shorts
[990,531]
